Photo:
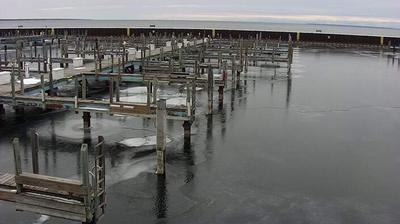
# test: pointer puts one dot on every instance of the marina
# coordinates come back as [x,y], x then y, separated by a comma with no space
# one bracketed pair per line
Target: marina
[189,127]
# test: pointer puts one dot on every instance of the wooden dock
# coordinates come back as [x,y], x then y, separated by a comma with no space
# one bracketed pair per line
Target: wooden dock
[78,200]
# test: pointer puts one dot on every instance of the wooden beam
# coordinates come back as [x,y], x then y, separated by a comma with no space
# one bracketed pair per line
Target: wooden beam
[51,183]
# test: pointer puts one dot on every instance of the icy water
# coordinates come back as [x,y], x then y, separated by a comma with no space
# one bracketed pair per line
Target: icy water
[201,24]
[323,147]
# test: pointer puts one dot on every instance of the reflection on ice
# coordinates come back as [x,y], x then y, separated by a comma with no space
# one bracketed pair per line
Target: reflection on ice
[141,142]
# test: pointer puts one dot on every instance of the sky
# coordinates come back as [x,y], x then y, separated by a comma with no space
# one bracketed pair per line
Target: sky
[385,13]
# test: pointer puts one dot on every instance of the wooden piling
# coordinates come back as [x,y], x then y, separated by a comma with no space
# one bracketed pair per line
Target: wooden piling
[85,180]
[118,82]
[154,91]
[111,88]
[86,121]
[17,161]
[187,126]
[84,87]
[161,121]
[210,89]
[13,81]
[51,84]
[35,150]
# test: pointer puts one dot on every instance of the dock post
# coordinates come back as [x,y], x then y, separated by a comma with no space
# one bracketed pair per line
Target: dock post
[111,87]
[17,161]
[35,149]
[193,95]
[51,84]
[187,127]
[85,180]
[154,91]
[112,63]
[43,92]
[161,121]
[149,89]
[233,71]
[2,110]
[220,96]
[86,121]
[210,92]
[290,54]
[13,82]
[5,56]
[118,81]
[84,87]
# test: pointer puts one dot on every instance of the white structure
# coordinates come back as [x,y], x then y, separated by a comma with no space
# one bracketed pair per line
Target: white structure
[152,47]
[58,73]
[132,51]
[77,62]
[5,77]
[27,66]
[168,44]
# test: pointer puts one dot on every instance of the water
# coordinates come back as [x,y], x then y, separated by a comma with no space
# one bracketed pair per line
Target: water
[187,24]
[321,148]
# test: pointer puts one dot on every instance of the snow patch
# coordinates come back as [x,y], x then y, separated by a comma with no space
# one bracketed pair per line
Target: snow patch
[140,142]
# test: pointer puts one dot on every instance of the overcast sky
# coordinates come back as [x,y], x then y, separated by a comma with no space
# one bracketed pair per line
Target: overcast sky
[358,12]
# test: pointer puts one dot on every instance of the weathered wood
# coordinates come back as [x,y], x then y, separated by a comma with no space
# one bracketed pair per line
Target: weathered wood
[35,149]
[17,161]
[210,90]
[51,202]
[84,87]
[51,212]
[85,180]
[52,183]
[7,195]
[161,122]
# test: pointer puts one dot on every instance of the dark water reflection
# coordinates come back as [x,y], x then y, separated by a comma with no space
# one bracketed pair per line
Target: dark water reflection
[319,147]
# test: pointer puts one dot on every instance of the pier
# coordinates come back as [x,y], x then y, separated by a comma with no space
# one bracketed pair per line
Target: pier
[71,70]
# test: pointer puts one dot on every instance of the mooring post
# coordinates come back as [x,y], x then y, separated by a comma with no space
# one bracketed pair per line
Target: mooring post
[43,92]
[149,89]
[85,181]
[86,121]
[2,110]
[237,79]
[17,161]
[246,62]
[44,53]
[210,92]
[187,127]
[193,95]
[290,54]
[220,96]
[161,121]
[233,71]
[13,81]
[84,87]
[155,91]
[35,150]
[51,84]
[118,81]
[5,55]
[111,88]
[112,63]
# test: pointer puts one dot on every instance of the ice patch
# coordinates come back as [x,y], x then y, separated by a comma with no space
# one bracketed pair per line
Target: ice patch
[42,219]
[197,88]
[30,81]
[177,101]
[134,99]
[140,142]
[135,90]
